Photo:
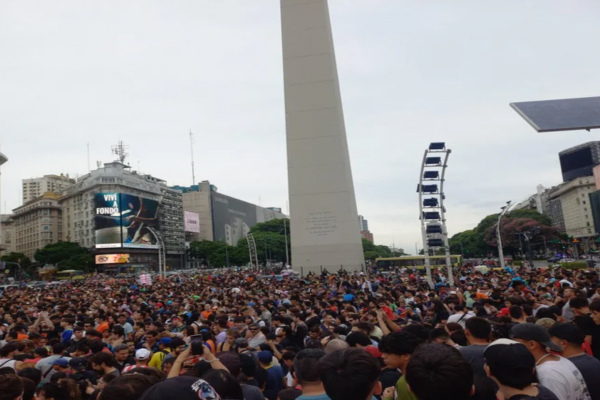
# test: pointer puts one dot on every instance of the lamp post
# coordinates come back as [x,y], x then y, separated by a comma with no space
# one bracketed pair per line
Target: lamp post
[416,249]
[499,236]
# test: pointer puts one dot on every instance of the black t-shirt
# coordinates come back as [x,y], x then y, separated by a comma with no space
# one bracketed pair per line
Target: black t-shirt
[544,394]
[590,370]
[594,331]
[442,315]
[389,377]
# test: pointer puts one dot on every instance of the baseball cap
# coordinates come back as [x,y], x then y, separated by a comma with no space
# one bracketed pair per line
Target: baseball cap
[503,312]
[166,341]
[536,333]
[77,364]
[374,351]
[181,388]
[142,354]
[452,292]
[507,358]
[569,332]
[62,362]
[265,356]
[241,342]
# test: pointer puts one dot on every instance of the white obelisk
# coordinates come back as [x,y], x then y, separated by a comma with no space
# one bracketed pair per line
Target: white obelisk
[324,219]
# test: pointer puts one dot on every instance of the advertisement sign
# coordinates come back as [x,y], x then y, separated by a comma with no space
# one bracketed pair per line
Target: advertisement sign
[232,218]
[112,258]
[191,222]
[123,220]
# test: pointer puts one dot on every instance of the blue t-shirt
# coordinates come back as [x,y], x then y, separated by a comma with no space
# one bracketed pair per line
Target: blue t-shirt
[348,297]
[66,335]
[274,382]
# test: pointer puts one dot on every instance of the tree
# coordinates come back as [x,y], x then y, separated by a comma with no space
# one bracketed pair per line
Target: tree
[65,255]
[201,250]
[272,226]
[531,214]
[510,228]
[18,258]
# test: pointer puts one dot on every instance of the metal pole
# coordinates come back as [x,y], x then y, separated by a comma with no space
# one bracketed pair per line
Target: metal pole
[423,232]
[416,249]
[499,235]
[442,214]
[545,247]
[287,254]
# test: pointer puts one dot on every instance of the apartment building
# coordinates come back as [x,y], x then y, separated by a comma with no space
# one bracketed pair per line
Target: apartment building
[36,187]
[36,224]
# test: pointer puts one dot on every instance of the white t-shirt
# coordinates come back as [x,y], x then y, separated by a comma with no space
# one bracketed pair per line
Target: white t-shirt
[458,318]
[563,379]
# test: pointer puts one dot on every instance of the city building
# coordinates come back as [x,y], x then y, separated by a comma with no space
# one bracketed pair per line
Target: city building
[579,161]
[7,233]
[572,199]
[367,235]
[115,210]
[3,159]
[36,187]
[36,224]
[223,218]
[536,201]
[363,224]
[596,171]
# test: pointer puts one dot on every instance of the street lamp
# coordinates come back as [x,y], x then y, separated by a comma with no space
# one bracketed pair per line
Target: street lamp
[499,236]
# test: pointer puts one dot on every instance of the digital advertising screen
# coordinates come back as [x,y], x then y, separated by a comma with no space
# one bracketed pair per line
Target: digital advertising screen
[123,220]
[232,218]
[112,258]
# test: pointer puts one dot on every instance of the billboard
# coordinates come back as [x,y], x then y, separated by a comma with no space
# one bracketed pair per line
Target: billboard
[191,222]
[124,220]
[112,258]
[232,218]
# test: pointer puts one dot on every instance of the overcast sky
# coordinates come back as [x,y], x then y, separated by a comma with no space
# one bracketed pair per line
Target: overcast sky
[411,72]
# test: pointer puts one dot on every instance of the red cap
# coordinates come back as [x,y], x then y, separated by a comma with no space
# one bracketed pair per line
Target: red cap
[374,351]
[503,312]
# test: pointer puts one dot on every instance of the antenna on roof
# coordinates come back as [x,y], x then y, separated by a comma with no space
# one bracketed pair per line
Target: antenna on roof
[192,151]
[121,151]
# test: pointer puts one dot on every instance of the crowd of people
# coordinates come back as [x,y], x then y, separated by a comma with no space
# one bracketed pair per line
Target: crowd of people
[514,334]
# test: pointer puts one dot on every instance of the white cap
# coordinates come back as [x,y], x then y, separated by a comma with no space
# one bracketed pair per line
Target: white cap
[142,354]
[453,292]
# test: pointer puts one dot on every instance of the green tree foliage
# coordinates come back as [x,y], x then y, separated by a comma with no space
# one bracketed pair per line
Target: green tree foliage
[481,240]
[531,214]
[270,242]
[373,251]
[511,227]
[67,255]
[18,258]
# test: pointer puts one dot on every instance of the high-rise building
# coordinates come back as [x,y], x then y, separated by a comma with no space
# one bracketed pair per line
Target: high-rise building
[223,218]
[36,224]
[579,161]
[572,200]
[363,224]
[115,210]
[36,187]
[7,233]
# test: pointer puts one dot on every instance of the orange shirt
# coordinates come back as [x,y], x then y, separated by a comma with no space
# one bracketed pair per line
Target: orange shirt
[22,336]
[206,314]
[102,327]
